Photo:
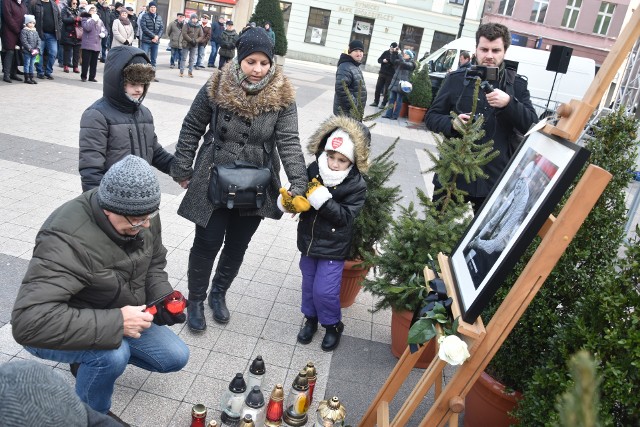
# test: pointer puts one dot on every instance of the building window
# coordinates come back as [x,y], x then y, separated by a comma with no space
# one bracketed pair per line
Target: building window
[411,37]
[317,26]
[539,11]
[506,7]
[460,2]
[571,13]
[604,18]
[440,39]
[286,13]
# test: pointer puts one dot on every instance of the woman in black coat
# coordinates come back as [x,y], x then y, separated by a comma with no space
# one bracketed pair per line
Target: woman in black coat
[70,42]
[12,19]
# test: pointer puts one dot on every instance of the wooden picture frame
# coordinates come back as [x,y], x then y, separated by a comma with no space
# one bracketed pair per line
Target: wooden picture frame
[529,189]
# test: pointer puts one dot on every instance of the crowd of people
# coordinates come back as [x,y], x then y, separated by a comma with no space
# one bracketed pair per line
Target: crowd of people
[79,36]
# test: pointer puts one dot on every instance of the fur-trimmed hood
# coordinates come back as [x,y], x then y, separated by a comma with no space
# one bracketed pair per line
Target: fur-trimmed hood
[358,132]
[226,93]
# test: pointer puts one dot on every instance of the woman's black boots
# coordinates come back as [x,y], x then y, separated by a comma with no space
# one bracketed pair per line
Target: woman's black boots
[198,277]
[226,271]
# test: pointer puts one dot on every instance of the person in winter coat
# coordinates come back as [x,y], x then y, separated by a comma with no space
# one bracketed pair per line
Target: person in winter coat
[93,34]
[404,68]
[350,74]
[49,26]
[385,74]
[122,30]
[70,43]
[250,107]
[133,18]
[13,12]
[336,194]
[97,262]
[227,48]
[508,112]
[104,13]
[118,124]
[152,29]
[204,40]
[269,30]
[30,44]
[216,32]
[189,37]
[173,32]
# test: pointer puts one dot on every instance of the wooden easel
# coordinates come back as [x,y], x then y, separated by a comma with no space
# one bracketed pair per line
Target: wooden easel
[556,235]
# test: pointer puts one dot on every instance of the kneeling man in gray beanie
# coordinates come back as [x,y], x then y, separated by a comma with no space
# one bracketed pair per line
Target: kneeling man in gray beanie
[97,264]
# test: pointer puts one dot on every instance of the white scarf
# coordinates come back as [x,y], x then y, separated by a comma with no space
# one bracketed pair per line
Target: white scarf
[330,177]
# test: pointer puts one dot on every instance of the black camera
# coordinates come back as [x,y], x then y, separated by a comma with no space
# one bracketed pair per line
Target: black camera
[483,73]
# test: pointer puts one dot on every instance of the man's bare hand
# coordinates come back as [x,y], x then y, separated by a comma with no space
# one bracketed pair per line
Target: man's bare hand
[498,98]
[458,124]
[184,183]
[135,320]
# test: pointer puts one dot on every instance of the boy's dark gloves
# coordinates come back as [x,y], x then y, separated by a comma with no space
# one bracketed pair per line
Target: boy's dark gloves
[163,317]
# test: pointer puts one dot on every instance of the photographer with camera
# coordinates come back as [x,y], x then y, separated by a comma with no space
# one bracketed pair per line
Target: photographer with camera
[387,68]
[95,294]
[503,101]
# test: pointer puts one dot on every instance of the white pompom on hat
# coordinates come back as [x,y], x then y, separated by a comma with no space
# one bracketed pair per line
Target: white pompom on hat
[341,142]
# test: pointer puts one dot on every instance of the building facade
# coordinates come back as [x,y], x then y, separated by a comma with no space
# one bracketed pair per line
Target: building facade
[319,32]
[590,27]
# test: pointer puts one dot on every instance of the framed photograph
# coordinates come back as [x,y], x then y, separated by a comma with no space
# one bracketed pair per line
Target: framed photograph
[524,197]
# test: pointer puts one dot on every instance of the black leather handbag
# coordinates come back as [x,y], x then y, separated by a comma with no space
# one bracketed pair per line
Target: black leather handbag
[239,184]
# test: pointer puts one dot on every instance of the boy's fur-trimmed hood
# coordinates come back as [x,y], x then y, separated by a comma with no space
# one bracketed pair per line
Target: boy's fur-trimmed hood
[229,95]
[139,74]
[358,132]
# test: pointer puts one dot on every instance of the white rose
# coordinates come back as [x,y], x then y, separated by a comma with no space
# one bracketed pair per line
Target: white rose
[453,350]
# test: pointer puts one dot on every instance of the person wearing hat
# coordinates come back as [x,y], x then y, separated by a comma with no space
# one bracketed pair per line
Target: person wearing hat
[204,40]
[250,107]
[70,43]
[173,32]
[227,48]
[385,74]
[351,90]
[336,194]
[404,68]
[152,28]
[98,262]
[269,30]
[189,37]
[117,124]
[122,30]
[30,44]
[216,32]
[94,31]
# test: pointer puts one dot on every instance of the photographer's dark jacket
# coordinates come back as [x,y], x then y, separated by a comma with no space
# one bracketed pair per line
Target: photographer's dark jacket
[349,72]
[387,68]
[505,126]
[327,233]
[81,273]
[115,126]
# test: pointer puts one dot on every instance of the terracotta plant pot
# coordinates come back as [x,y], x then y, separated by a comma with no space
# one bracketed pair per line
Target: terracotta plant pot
[487,404]
[352,278]
[403,110]
[400,324]
[416,114]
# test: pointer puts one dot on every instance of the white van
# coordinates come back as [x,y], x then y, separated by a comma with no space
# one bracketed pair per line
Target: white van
[531,63]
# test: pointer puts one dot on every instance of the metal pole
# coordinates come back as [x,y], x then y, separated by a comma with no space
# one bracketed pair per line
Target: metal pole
[551,93]
[464,14]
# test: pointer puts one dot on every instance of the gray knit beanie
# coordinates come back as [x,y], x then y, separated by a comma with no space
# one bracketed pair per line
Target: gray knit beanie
[32,394]
[130,187]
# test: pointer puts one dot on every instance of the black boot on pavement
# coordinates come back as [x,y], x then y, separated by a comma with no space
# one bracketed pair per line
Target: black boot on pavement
[195,316]
[33,82]
[226,271]
[218,303]
[332,336]
[308,330]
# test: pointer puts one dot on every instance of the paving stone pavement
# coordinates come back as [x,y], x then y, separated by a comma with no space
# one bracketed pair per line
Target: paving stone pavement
[38,172]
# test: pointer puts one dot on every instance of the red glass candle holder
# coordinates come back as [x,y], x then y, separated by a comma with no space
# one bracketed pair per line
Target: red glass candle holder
[175,303]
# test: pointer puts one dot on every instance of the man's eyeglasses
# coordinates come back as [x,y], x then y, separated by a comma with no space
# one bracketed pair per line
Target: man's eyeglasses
[139,225]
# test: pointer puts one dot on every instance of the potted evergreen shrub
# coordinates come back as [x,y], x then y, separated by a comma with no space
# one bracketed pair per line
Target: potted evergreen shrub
[579,306]
[420,97]
[270,10]
[371,225]
[417,235]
